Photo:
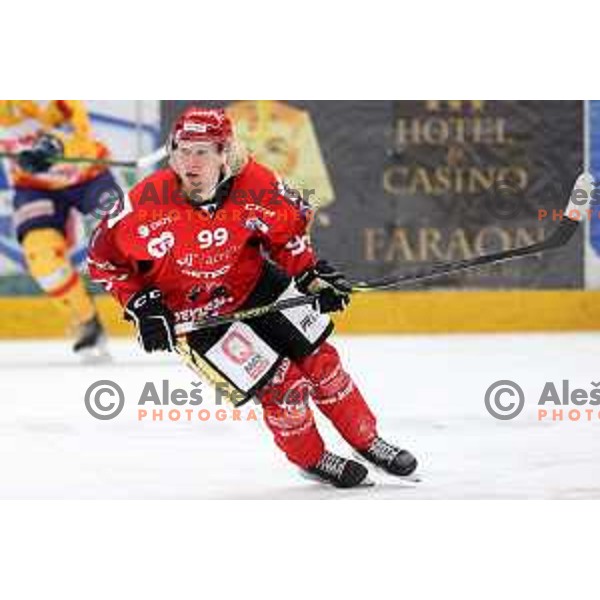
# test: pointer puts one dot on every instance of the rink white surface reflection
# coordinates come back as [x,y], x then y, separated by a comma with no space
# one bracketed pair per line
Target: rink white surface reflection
[428,393]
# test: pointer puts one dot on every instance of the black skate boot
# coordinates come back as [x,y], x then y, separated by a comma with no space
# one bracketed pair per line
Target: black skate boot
[341,472]
[90,344]
[390,458]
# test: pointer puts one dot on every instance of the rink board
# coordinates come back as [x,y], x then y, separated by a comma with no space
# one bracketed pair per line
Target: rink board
[378,312]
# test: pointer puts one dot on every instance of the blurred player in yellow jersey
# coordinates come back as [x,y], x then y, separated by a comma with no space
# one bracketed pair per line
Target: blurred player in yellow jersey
[46,191]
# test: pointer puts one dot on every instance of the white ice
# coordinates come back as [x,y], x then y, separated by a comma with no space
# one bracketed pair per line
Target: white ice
[427,392]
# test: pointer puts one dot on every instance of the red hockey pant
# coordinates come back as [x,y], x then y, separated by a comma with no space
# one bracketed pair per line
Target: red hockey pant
[288,414]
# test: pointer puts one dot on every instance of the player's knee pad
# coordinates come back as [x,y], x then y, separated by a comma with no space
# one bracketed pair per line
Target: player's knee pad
[46,255]
[288,422]
[285,401]
[338,398]
[331,383]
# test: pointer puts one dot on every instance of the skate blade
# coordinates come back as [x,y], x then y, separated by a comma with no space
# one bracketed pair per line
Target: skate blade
[409,479]
[365,483]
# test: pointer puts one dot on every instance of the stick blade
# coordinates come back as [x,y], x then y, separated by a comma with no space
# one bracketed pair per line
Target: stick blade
[580,201]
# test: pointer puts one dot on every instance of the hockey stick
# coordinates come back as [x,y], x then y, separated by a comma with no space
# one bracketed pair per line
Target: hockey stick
[240,315]
[559,237]
[140,163]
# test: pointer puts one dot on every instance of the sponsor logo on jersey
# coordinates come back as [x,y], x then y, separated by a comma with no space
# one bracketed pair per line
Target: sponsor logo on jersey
[145,229]
[260,209]
[192,259]
[154,225]
[206,274]
[199,312]
[297,245]
[220,257]
[159,246]
[255,224]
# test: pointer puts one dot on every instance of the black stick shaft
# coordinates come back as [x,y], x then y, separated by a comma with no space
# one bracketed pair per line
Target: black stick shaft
[559,237]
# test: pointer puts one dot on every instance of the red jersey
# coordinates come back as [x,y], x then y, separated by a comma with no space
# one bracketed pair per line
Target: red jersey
[205,259]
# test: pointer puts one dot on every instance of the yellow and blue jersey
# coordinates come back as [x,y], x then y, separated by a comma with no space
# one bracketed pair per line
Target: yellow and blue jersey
[22,121]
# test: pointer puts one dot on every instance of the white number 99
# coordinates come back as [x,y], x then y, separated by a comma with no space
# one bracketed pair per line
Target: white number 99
[206,238]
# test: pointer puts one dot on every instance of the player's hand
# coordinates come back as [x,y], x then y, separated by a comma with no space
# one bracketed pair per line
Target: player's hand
[42,155]
[331,288]
[153,320]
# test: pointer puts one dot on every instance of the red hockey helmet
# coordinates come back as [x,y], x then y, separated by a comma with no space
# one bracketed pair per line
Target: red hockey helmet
[198,124]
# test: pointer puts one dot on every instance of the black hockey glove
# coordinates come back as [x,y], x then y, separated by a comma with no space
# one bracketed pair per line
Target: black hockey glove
[42,156]
[331,288]
[154,320]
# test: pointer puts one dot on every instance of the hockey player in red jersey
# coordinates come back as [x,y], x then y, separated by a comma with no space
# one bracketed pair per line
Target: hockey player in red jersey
[203,237]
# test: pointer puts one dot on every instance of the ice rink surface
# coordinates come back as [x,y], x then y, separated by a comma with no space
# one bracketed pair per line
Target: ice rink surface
[427,391]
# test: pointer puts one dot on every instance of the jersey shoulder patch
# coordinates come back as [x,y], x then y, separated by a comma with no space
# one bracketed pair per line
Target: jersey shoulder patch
[267,185]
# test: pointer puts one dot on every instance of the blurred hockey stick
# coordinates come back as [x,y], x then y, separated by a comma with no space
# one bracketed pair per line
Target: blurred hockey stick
[558,238]
[140,163]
